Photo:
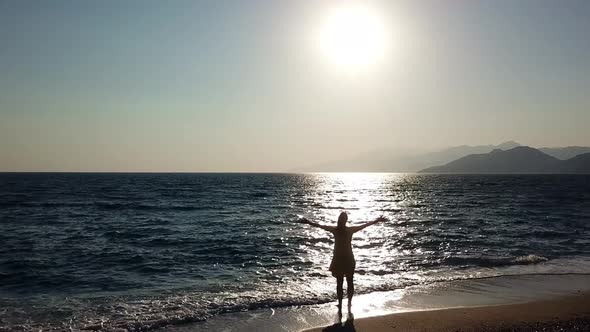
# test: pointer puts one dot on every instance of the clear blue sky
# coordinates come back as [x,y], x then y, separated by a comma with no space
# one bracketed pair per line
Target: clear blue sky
[239,85]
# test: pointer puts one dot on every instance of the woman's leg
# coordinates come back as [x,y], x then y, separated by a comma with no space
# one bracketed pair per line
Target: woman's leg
[339,290]
[349,290]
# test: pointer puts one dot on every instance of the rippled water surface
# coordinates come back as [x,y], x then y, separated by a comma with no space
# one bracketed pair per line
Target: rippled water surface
[145,250]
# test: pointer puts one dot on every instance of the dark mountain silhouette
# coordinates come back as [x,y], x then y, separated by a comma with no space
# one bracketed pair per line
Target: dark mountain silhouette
[566,152]
[577,164]
[521,159]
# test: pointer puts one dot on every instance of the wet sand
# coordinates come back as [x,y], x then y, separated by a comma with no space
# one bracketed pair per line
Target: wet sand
[570,313]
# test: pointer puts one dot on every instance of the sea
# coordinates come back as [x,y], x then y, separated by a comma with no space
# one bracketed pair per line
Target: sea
[146,251]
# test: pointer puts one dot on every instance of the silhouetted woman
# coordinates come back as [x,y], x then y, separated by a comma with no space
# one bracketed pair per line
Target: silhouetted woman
[343,262]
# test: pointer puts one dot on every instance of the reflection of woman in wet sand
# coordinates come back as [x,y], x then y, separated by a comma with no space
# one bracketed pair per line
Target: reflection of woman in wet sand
[343,262]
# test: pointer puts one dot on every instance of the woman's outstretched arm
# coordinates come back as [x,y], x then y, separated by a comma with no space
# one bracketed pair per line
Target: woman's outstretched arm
[363,226]
[304,220]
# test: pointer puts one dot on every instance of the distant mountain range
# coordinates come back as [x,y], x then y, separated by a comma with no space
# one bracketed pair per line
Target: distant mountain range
[385,160]
[521,159]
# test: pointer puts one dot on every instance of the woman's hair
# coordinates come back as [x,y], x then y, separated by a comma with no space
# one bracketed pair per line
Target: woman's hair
[342,219]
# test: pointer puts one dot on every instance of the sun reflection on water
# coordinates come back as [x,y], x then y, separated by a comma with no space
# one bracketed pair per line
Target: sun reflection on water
[357,193]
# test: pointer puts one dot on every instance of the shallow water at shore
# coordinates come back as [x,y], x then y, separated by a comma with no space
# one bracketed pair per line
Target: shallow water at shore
[460,293]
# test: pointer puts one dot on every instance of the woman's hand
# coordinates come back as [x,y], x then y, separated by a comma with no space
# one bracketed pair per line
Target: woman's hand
[381,219]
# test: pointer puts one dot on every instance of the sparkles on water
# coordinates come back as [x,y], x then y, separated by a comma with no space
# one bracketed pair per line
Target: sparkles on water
[142,251]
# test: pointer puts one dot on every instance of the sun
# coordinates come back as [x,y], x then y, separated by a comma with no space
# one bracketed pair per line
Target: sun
[353,36]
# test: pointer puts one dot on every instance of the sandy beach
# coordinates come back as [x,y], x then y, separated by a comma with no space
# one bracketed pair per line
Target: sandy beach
[570,313]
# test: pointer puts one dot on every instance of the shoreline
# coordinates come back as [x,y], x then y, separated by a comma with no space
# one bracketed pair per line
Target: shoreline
[415,300]
[566,313]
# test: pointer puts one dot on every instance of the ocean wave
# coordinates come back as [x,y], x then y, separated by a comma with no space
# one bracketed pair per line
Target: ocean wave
[136,206]
[45,204]
[109,205]
[493,261]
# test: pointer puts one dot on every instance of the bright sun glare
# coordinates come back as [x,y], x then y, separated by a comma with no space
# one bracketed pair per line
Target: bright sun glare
[353,36]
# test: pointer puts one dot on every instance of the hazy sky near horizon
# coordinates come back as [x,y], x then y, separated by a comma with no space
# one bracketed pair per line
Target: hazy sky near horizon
[241,85]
